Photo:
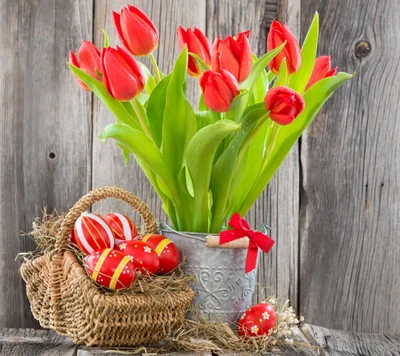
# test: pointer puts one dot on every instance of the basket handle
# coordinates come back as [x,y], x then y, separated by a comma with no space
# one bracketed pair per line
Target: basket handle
[99,194]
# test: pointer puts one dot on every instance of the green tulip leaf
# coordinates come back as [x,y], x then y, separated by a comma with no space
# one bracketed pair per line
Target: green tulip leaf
[260,87]
[223,169]
[155,109]
[179,122]
[314,99]
[282,76]
[299,80]
[259,66]
[199,159]
[238,106]
[150,82]
[205,118]
[106,38]
[141,146]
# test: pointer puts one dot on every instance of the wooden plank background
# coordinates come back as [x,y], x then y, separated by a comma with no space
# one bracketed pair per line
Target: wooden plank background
[334,204]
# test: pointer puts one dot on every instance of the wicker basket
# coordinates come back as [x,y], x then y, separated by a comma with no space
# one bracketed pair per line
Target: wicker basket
[64,298]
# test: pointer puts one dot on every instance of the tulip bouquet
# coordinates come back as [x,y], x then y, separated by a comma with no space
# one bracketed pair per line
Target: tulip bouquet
[210,161]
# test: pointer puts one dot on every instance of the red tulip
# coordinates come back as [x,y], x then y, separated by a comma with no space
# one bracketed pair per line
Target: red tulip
[219,89]
[89,61]
[284,104]
[322,69]
[122,76]
[197,43]
[136,31]
[277,35]
[233,55]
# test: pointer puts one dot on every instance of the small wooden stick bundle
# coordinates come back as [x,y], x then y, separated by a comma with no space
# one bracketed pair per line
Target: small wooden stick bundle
[213,241]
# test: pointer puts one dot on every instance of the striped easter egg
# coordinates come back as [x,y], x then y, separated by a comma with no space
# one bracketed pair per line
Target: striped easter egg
[92,233]
[123,228]
[166,251]
[110,268]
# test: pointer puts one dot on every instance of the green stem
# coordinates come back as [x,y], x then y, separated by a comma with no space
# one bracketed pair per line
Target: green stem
[271,144]
[141,119]
[246,144]
[155,67]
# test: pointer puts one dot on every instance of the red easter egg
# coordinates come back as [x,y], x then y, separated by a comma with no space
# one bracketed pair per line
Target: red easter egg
[92,233]
[110,268]
[257,320]
[123,227]
[166,250]
[143,256]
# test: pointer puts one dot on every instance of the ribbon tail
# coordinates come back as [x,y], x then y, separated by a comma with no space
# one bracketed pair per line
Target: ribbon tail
[251,259]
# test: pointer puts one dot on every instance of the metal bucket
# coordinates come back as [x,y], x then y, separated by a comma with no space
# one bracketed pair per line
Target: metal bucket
[223,292]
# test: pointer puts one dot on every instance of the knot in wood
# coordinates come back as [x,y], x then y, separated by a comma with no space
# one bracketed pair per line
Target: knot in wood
[362,49]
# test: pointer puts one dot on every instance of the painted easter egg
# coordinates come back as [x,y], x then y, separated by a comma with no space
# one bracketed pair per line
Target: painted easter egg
[91,233]
[123,227]
[165,249]
[257,320]
[110,268]
[142,255]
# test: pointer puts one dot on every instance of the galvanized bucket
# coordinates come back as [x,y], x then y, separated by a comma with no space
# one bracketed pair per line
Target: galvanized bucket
[222,291]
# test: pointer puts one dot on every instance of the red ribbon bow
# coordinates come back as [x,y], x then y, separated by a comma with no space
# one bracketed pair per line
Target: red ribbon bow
[257,239]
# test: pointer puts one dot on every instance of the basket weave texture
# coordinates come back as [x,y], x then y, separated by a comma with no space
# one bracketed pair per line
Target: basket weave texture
[64,298]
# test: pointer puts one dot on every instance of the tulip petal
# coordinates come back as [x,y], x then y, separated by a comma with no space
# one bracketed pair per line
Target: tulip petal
[278,34]
[228,59]
[215,56]
[122,76]
[245,58]
[117,24]
[89,57]
[206,45]
[214,100]
[74,61]
[139,33]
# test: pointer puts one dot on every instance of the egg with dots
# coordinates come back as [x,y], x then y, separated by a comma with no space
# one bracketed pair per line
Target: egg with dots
[123,227]
[165,249]
[91,233]
[142,255]
[110,268]
[257,320]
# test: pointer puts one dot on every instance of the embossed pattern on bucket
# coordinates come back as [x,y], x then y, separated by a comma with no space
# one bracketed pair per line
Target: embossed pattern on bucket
[222,291]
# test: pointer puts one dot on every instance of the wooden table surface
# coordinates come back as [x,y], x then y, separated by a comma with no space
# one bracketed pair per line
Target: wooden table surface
[29,342]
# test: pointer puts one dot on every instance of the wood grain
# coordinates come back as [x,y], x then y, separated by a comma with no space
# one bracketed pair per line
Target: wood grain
[45,130]
[340,343]
[108,162]
[28,342]
[350,201]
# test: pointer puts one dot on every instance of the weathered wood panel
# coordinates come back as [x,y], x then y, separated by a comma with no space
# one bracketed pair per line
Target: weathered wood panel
[350,201]
[45,133]
[28,342]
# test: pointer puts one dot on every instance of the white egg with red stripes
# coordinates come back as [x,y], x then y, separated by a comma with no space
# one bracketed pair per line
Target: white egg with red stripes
[110,268]
[91,233]
[166,251]
[123,227]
